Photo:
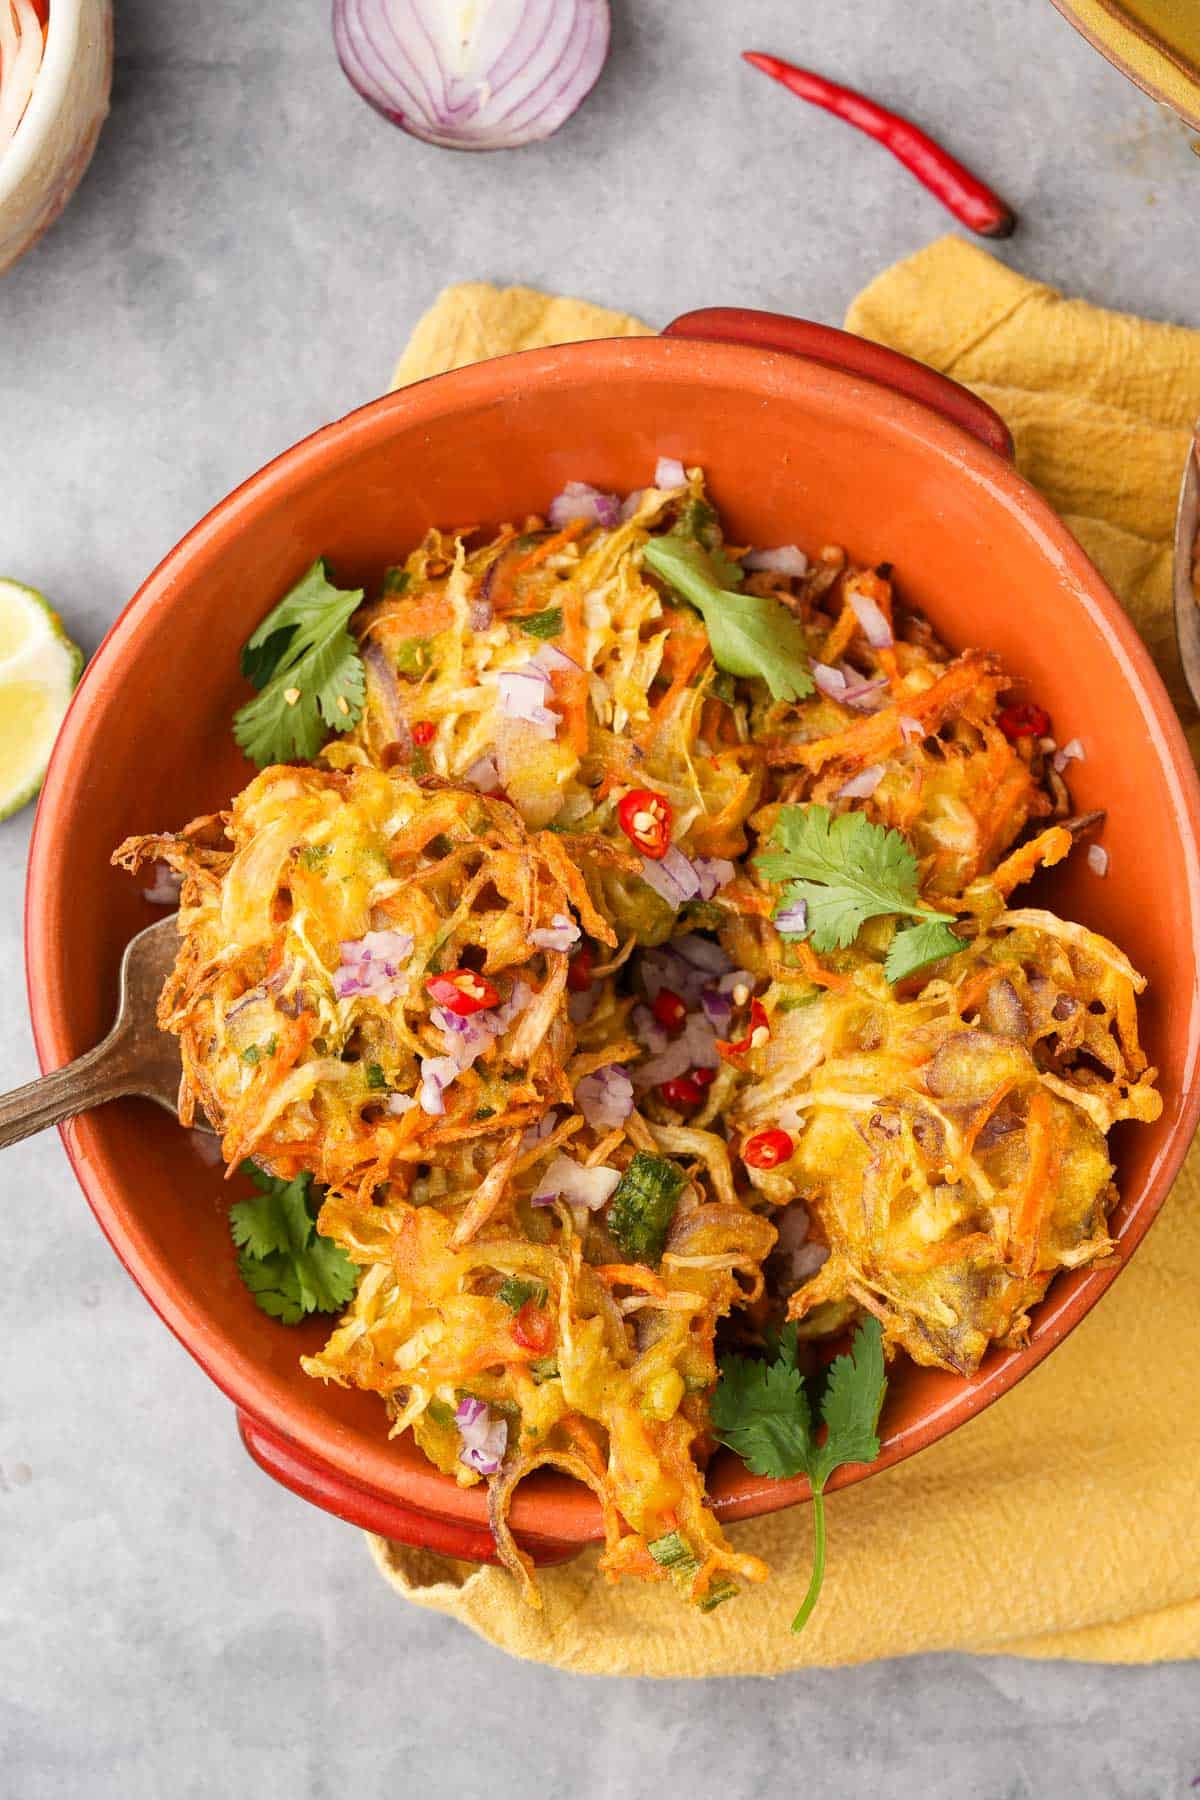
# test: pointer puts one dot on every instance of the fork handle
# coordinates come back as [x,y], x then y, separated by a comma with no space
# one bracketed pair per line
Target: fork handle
[100,1074]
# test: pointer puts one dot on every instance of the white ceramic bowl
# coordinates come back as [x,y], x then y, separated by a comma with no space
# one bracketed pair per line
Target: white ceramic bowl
[53,144]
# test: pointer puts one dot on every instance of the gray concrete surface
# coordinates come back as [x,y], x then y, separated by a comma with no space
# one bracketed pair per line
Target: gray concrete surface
[243,262]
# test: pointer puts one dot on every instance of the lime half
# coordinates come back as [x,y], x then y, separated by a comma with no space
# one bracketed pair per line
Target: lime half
[39,667]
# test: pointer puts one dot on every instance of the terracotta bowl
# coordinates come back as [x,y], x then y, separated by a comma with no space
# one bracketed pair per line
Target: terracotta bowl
[807,436]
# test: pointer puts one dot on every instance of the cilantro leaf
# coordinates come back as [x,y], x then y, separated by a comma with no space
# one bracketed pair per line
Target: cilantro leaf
[750,634]
[762,1411]
[285,1262]
[308,669]
[847,870]
[918,945]
[514,1291]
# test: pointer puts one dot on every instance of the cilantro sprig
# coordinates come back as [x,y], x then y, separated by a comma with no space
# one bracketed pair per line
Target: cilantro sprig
[307,667]
[285,1262]
[750,634]
[848,870]
[764,1412]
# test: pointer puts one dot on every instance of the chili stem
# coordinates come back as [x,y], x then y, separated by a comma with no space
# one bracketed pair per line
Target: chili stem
[962,193]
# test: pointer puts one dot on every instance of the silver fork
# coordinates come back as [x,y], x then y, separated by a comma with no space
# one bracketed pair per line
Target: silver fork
[135,1058]
[1187,550]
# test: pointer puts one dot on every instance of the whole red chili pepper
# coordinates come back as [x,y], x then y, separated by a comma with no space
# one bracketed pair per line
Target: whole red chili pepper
[1023,721]
[757,1033]
[959,191]
[463,992]
[767,1149]
[645,818]
[669,1010]
[682,1090]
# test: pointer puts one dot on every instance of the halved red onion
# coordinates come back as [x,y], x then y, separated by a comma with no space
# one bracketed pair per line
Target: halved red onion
[669,472]
[876,629]
[1071,752]
[164,889]
[672,877]
[522,696]
[792,919]
[605,1097]
[788,559]
[1097,859]
[862,785]
[489,76]
[22,42]
[560,934]
[484,1439]
[565,1179]
[580,500]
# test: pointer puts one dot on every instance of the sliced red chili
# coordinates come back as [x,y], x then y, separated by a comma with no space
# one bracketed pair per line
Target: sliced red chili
[757,1033]
[682,1090]
[463,992]
[767,1149]
[1024,721]
[423,732]
[645,818]
[533,1328]
[579,969]
[704,1077]
[669,1010]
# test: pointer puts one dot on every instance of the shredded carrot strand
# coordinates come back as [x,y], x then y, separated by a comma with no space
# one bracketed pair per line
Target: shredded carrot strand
[635,1275]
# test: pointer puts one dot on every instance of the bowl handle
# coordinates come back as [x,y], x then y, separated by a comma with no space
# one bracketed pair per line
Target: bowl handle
[856,356]
[324,1486]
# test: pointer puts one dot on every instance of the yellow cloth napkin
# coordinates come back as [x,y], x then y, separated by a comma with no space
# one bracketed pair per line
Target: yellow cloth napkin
[1064,1520]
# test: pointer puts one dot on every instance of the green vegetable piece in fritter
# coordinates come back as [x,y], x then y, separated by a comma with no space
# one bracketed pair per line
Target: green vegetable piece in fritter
[643,1205]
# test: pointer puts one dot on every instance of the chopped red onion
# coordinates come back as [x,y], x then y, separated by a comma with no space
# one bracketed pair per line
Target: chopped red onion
[792,919]
[483,775]
[398,1105]
[700,1041]
[669,472]
[510,1009]
[786,560]
[376,963]
[631,503]
[862,785]
[605,1098]
[580,500]
[480,615]
[863,695]
[565,1179]
[648,1031]
[437,1072]
[911,730]
[580,1007]
[672,877]
[164,889]
[465,1038]
[522,696]
[484,1439]
[718,1008]
[687,966]
[876,629]
[490,76]
[702,953]
[1072,752]
[1097,859]
[830,681]
[675,1060]
[541,1130]
[714,873]
[550,659]
[560,934]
